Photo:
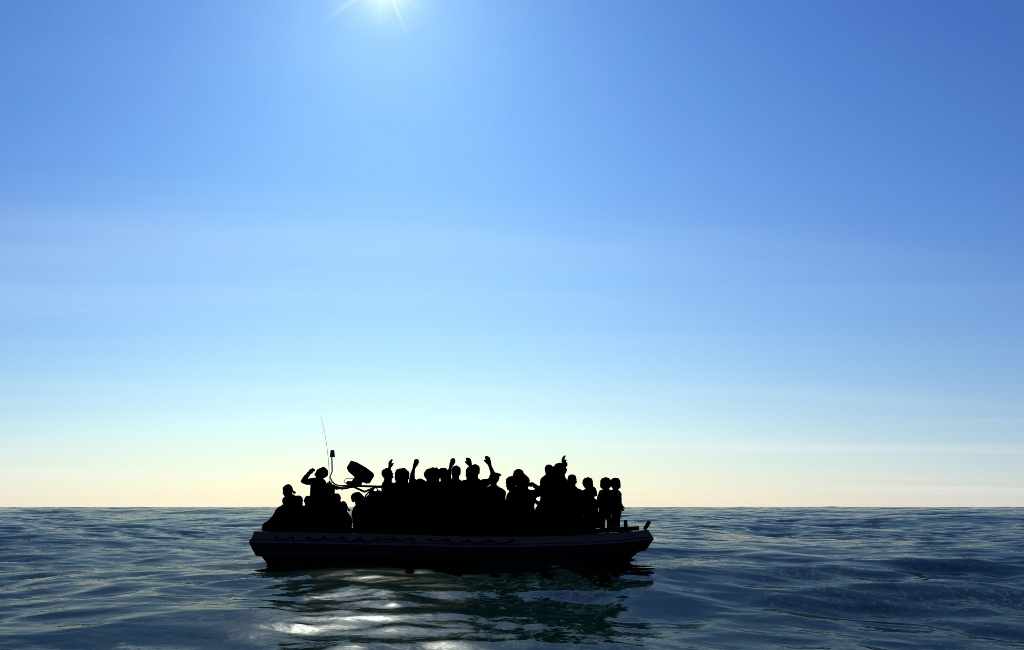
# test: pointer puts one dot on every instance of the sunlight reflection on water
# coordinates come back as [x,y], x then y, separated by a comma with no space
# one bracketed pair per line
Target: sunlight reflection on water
[713,578]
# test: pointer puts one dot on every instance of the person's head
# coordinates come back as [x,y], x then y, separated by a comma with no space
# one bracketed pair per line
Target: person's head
[321,473]
[402,476]
[605,483]
[306,501]
[337,498]
[561,468]
[472,472]
[456,471]
[344,506]
[288,490]
[357,498]
[548,469]
[588,482]
[386,473]
[510,483]
[572,480]
[616,483]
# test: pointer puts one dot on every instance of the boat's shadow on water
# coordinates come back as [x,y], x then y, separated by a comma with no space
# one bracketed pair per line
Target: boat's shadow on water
[326,607]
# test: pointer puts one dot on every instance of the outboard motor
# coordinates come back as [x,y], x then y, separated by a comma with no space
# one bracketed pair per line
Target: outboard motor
[359,474]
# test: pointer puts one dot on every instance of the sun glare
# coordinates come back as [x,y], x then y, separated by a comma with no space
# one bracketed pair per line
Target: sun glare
[393,7]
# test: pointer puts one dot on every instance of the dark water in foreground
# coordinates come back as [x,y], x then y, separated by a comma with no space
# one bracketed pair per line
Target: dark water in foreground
[719,578]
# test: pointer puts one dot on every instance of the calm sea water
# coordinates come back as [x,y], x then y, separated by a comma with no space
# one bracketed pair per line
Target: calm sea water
[714,578]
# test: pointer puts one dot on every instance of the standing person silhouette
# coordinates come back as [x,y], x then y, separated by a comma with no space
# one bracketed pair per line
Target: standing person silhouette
[320,491]
[604,503]
[616,503]
[589,498]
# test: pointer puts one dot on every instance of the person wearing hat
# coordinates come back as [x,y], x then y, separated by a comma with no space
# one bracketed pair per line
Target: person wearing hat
[288,515]
[290,499]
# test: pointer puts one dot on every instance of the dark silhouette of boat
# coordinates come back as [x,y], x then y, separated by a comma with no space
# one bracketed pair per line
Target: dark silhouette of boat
[599,548]
[569,527]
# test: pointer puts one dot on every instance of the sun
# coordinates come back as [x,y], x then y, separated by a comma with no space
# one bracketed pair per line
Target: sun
[395,6]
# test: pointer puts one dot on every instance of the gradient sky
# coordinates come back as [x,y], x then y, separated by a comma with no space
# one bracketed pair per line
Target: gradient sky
[735,253]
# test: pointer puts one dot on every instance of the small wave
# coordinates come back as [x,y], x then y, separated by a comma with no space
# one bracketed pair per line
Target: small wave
[722,578]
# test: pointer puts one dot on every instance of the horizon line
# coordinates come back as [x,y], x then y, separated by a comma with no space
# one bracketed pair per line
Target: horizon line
[690,507]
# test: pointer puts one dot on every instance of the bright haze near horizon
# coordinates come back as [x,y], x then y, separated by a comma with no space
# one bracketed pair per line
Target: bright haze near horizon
[732,253]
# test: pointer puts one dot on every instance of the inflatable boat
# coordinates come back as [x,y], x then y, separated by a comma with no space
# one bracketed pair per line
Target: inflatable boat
[603,548]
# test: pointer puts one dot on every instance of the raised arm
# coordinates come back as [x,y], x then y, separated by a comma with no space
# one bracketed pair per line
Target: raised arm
[493,476]
[305,477]
[415,464]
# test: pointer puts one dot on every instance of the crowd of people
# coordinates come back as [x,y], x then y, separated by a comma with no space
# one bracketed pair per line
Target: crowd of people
[444,501]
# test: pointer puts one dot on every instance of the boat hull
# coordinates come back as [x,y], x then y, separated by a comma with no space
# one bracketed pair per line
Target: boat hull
[296,549]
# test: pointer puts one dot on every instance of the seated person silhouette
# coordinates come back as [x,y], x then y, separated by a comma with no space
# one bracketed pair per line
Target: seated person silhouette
[290,499]
[357,513]
[288,515]
[339,519]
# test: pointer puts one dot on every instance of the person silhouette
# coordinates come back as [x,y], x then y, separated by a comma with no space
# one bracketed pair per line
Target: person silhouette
[493,477]
[589,499]
[519,502]
[290,499]
[357,511]
[340,519]
[616,503]
[289,515]
[320,491]
[604,503]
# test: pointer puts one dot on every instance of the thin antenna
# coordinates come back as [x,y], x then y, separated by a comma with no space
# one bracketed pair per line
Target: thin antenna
[323,430]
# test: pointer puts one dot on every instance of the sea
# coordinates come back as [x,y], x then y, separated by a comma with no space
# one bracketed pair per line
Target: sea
[714,578]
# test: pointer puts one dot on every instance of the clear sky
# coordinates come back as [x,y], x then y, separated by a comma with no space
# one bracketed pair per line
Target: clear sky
[735,253]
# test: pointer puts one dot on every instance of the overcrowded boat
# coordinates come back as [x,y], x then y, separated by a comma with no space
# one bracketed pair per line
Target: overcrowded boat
[443,519]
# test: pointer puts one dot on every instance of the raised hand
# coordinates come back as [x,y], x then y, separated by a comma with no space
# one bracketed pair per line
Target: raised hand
[468,461]
[487,459]
[415,462]
[390,463]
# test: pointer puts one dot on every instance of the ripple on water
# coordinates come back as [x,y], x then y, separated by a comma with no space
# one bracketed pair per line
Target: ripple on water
[725,578]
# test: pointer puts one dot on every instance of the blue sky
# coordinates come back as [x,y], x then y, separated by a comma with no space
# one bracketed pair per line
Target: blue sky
[734,253]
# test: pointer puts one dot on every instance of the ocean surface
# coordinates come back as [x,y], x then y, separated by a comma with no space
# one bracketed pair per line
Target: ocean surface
[714,578]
